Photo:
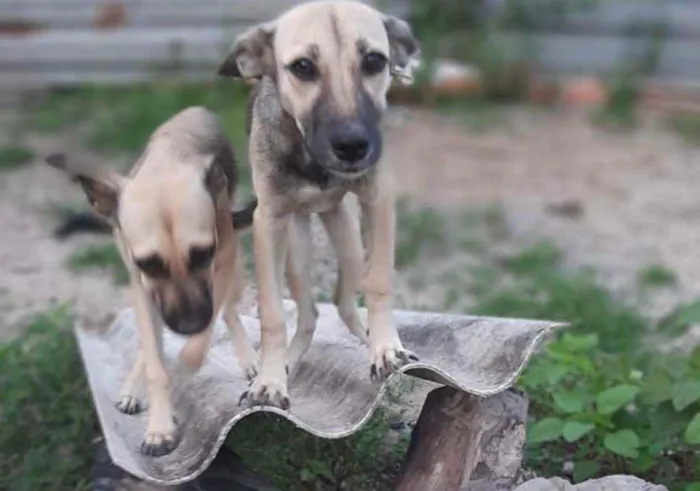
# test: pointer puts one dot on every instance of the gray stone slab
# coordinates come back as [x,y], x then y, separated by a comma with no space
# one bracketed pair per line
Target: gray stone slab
[331,392]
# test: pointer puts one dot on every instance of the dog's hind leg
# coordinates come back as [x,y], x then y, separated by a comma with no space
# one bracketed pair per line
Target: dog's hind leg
[298,275]
[343,229]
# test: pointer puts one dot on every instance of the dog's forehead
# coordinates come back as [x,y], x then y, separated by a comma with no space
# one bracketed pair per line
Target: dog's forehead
[329,24]
[166,217]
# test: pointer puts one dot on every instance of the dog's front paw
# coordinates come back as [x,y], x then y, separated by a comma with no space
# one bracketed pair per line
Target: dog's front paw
[129,405]
[250,371]
[161,436]
[158,444]
[248,361]
[388,358]
[267,391]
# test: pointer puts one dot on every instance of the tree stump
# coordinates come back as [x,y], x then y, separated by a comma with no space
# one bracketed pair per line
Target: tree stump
[462,441]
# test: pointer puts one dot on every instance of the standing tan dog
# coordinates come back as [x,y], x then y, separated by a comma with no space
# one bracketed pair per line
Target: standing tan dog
[171,218]
[323,71]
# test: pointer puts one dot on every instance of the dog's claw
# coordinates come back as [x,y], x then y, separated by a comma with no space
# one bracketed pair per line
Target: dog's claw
[157,445]
[129,405]
[391,361]
[158,450]
[250,373]
[259,394]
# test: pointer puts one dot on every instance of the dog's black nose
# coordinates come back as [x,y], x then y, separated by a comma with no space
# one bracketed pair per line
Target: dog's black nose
[350,144]
[189,321]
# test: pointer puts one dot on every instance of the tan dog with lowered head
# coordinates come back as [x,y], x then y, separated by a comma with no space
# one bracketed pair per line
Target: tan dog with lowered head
[172,220]
[323,70]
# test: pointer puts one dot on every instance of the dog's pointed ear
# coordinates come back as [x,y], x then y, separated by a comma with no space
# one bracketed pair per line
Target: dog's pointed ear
[404,48]
[252,54]
[102,191]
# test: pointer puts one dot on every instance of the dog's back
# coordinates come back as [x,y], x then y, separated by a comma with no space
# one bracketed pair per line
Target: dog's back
[194,136]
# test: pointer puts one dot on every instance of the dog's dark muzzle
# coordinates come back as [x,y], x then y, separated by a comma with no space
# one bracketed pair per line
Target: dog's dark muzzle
[187,309]
[345,144]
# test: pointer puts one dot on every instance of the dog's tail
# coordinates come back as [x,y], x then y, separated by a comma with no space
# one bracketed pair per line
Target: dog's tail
[90,222]
[243,219]
[84,221]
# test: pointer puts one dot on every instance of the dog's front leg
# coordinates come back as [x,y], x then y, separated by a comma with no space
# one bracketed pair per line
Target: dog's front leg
[387,354]
[129,402]
[298,274]
[270,249]
[344,232]
[160,431]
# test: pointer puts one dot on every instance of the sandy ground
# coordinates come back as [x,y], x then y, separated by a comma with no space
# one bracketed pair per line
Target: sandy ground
[637,193]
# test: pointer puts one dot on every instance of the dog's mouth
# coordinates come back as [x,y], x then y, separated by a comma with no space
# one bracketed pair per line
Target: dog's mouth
[348,175]
[351,170]
[345,161]
[185,310]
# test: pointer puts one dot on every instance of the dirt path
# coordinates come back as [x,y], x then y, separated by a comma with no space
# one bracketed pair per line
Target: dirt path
[637,194]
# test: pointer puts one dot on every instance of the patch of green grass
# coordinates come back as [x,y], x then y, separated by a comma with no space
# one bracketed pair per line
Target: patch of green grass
[59,109]
[687,126]
[620,110]
[540,259]
[295,460]
[14,156]
[100,257]
[542,291]
[656,276]
[47,419]
[419,232]
[478,114]
[121,119]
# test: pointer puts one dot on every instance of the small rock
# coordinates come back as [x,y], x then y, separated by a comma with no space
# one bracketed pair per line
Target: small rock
[609,483]
[568,209]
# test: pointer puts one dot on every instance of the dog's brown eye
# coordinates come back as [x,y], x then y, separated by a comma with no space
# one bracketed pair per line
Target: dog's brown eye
[373,63]
[153,266]
[304,69]
[201,257]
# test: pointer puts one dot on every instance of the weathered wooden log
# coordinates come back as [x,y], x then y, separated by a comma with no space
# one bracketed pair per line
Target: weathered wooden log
[462,441]
[503,421]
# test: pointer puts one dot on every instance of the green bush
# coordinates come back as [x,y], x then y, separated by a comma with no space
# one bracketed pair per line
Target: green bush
[603,400]
[610,413]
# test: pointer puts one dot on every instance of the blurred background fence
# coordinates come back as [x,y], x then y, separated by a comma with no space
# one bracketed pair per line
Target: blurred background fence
[69,42]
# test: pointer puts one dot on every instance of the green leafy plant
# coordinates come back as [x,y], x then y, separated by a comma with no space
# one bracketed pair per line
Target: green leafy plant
[603,401]
[609,413]
[296,460]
